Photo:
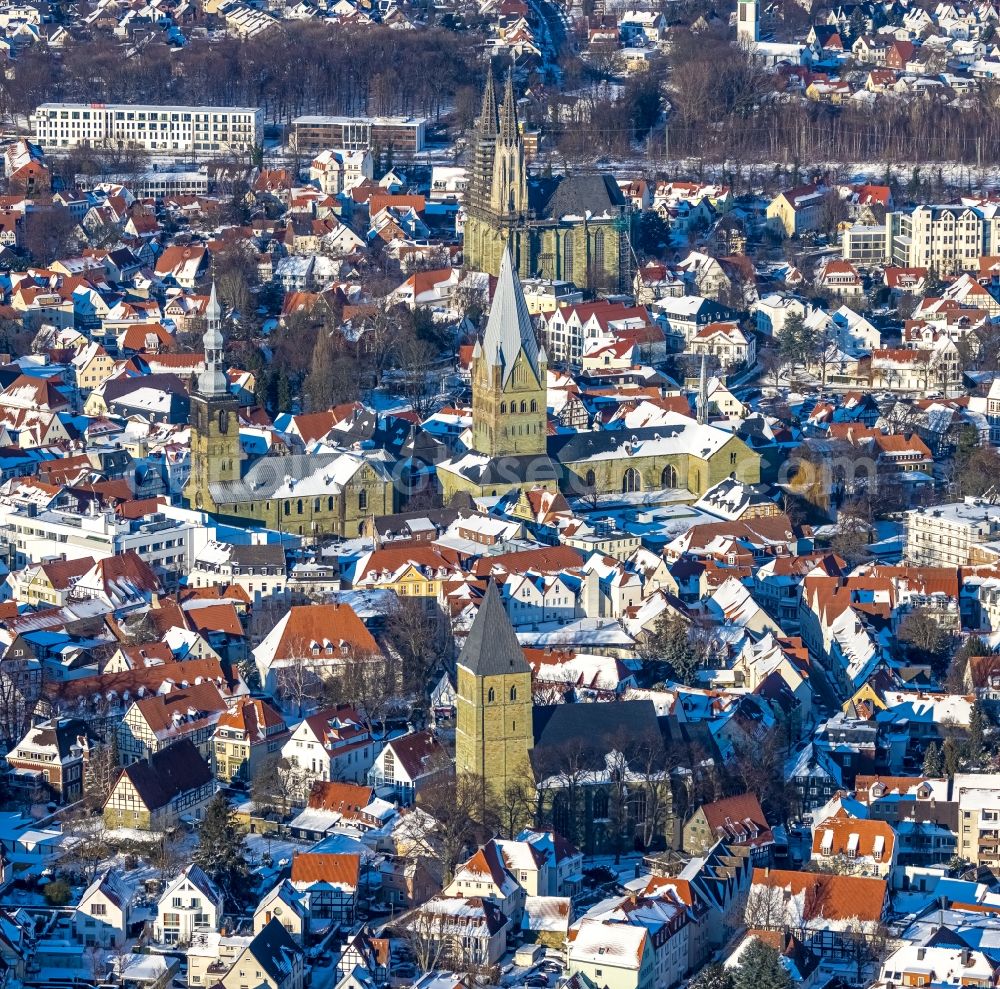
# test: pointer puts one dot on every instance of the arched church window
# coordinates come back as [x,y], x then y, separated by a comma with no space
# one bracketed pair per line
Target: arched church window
[599,249]
[591,479]
[631,481]
[668,479]
[491,696]
[534,406]
[503,408]
[524,406]
[513,693]
[601,804]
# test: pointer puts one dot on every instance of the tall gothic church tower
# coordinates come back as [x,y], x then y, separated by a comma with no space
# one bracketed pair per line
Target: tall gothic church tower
[493,730]
[215,433]
[497,197]
[509,193]
[508,376]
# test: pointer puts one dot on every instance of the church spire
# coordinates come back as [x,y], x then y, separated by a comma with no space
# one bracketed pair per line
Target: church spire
[212,382]
[509,330]
[508,113]
[488,115]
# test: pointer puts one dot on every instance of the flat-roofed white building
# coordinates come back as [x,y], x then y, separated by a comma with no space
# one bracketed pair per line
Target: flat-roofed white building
[198,129]
[953,535]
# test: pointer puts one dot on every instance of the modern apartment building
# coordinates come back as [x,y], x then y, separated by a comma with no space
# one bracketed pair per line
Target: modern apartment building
[316,133]
[191,129]
[952,535]
[947,239]
[978,799]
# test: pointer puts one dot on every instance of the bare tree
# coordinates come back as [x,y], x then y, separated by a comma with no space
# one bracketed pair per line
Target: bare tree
[419,632]
[455,803]
[425,932]
[649,765]
[101,773]
[298,683]
[369,684]
[272,787]
[515,805]
[765,908]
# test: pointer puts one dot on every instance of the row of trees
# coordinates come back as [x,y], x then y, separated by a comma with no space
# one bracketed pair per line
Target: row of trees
[726,106]
[304,66]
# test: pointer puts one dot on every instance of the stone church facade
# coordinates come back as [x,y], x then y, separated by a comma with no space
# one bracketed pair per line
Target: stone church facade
[577,228]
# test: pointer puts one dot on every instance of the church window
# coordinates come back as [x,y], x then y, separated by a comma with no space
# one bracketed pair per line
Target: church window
[534,406]
[524,406]
[637,806]
[362,500]
[732,458]
[316,504]
[513,693]
[223,420]
[631,481]
[599,250]
[591,479]
[668,479]
[568,256]
[560,813]
[601,804]
[288,508]
[491,696]
[329,504]
[298,507]
[503,408]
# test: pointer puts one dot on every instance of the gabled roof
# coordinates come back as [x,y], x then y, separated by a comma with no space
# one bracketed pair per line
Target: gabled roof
[828,897]
[738,819]
[275,951]
[167,774]
[309,868]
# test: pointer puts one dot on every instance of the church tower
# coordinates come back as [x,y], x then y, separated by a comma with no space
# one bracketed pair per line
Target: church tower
[509,192]
[484,148]
[493,730]
[215,434]
[509,386]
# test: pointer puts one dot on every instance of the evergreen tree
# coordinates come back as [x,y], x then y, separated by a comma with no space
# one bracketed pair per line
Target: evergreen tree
[975,746]
[933,763]
[951,754]
[220,850]
[797,342]
[282,392]
[760,968]
[714,976]
[671,646]
[319,383]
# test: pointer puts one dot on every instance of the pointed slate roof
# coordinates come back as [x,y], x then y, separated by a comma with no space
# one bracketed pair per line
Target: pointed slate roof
[488,123]
[491,648]
[509,329]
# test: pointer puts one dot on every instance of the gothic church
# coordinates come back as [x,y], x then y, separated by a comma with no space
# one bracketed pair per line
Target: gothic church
[577,228]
